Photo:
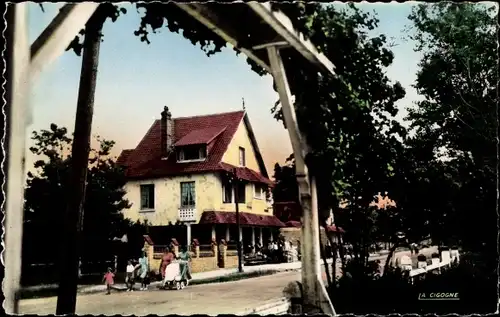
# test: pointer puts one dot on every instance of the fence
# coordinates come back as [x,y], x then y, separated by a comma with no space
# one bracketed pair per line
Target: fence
[205,257]
[205,251]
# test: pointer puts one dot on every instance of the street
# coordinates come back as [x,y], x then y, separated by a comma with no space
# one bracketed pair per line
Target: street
[211,299]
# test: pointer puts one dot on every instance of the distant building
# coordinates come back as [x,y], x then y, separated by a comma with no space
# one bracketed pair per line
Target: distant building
[179,180]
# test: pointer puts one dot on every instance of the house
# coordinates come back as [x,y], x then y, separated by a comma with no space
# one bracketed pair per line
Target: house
[179,179]
[290,212]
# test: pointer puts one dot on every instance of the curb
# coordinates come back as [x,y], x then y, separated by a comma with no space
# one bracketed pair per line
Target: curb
[279,306]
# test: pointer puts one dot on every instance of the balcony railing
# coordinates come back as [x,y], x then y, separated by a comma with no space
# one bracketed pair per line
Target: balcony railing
[187,213]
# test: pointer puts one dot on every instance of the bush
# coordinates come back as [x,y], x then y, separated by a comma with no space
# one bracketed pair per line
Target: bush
[392,293]
[421,258]
[435,255]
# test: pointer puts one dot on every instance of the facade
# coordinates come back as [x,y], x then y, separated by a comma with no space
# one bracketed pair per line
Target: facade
[183,174]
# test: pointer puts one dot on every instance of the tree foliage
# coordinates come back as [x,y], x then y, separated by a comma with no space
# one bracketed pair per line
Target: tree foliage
[457,120]
[46,192]
[347,118]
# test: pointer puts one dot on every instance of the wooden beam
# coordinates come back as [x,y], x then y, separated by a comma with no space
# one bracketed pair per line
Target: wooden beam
[299,146]
[17,90]
[284,27]
[314,292]
[58,34]
[201,13]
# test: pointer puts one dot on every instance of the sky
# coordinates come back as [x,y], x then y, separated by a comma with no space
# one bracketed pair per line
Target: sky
[135,81]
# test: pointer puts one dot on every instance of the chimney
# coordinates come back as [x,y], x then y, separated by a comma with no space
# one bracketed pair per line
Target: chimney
[167,132]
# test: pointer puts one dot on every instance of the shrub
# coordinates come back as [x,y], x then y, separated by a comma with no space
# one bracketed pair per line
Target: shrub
[435,255]
[392,293]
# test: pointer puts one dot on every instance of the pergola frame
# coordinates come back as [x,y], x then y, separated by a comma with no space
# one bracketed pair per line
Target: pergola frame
[52,43]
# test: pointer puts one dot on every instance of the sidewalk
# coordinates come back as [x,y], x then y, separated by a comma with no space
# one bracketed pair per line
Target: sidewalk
[197,278]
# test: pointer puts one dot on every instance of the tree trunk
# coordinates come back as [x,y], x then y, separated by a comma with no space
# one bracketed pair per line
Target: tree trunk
[341,249]
[66,301]
[323,255]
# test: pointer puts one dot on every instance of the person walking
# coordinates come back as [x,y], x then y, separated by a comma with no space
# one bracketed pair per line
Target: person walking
[166,259]
[109,280]
[129,279]
[185,258]
[143,270]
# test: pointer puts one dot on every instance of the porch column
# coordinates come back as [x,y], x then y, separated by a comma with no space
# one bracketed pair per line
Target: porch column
[240,234]
[214,236]
[271,234]
[188,233]
[228,236]
[253,237]
[261,240]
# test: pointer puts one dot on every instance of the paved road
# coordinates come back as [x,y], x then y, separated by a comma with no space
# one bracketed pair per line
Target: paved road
[211,299]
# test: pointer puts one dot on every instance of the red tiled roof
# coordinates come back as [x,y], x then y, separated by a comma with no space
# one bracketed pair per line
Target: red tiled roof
[334,228]
[246,174]
[225,217]
[293,224]
[124,155]
[145,161]
[200,136]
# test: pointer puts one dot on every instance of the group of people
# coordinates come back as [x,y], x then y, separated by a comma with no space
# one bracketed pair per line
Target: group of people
[169,256]
[278,251]
[136,270]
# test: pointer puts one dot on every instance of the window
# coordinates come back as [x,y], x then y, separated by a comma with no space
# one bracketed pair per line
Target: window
[241,193]
[227,190]
[147,197]
[242,157]
[259,191]
[192,153]
[188,194]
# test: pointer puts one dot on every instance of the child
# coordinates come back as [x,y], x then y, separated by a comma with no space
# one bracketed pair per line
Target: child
[129,280]
[109,279]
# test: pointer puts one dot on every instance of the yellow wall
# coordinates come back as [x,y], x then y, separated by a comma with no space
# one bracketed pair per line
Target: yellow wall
[209,197]
[167,197]
[252,205]
[232,155]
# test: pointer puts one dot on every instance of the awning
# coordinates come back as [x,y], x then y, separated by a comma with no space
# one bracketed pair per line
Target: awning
[334,228]
[247,219]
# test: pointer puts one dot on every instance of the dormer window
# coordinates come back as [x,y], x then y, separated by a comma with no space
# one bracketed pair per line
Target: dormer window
[192,153]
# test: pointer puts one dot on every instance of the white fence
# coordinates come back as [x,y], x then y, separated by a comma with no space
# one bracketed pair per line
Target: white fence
[447,258]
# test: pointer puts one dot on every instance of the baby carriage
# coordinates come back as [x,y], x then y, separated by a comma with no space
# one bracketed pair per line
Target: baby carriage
[174,276]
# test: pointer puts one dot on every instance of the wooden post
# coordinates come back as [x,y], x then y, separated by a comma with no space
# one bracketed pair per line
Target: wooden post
[315,295]
[253,237]
[66,300]
[214,233]
[16,92]
[236,203]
